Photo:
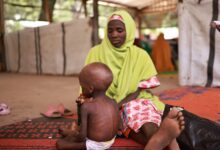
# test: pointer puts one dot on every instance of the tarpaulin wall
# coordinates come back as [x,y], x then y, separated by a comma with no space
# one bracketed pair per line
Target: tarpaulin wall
[59,48]
[199,44]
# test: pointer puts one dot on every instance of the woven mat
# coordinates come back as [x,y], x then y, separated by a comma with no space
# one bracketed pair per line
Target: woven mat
[41,133]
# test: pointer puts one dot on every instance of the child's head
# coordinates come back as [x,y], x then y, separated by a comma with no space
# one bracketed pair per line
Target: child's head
[95,77]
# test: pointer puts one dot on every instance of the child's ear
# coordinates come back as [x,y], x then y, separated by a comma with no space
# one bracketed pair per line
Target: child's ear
[91,89]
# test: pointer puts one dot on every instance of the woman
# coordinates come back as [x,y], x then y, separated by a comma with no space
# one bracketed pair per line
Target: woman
[131,66]
[133,73]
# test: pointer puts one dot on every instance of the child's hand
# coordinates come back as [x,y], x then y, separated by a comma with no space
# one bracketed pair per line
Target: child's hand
[82,99]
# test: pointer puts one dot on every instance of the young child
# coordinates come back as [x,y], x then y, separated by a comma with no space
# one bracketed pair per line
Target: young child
[99,114]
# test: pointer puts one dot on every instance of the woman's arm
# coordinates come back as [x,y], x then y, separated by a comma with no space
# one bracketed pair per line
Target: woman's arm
[133,96]
[129,97]
[143,85]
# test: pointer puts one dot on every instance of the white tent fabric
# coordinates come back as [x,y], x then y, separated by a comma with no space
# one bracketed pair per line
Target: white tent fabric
[78,44]
[133,3]
[141,4]
[59,48]
[27,49]
[51,49]
[11,51]
[198,60]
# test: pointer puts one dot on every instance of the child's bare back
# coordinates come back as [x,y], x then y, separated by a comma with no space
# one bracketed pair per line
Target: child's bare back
[103,118]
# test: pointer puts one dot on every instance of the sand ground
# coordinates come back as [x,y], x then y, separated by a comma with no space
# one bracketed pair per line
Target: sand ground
[29,95]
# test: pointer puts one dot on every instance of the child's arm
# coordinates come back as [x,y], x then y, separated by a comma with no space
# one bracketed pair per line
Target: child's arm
[83,127]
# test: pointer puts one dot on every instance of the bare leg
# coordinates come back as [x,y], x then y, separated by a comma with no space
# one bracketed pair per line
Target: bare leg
[173,145]
[69,143]
[146,132]
[170,128]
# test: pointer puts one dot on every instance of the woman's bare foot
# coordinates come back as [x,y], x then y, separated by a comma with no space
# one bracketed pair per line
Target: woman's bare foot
[169,129]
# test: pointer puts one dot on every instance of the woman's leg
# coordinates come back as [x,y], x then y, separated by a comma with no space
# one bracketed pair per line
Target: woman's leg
[145,133]
[170,128]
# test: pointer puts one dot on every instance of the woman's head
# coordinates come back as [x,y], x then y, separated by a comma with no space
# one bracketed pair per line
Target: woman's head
[120,31]
[95,77]
[116,31]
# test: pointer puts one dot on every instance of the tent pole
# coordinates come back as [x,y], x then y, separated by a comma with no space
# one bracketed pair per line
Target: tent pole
[139,25]
[95,22]
[85,8]
[2,32]
[139,21]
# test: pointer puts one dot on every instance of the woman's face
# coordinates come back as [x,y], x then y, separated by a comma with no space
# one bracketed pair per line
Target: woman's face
[116,33]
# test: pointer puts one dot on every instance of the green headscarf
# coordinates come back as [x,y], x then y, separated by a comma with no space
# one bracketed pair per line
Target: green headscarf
[129,64]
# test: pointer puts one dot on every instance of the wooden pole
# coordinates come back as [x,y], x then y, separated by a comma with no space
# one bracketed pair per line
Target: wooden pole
[85,8]
[2,33]
[95,22]
[139,17]
[47,11]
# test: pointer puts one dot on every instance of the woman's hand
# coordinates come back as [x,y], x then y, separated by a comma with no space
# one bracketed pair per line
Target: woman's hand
[216,25]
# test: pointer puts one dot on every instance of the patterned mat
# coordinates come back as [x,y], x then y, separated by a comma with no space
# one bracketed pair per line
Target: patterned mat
[202,101]
[41,133]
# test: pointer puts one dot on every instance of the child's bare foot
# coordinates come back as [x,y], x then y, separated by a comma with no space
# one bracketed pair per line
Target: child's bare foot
[74,126]
[69,132]
[170,128]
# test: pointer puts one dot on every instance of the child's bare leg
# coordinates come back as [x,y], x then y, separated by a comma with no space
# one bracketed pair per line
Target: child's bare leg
[170,128]
[69,132]
[69,144]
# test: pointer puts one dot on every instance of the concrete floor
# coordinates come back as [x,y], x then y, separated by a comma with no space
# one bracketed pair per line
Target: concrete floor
[28,95]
